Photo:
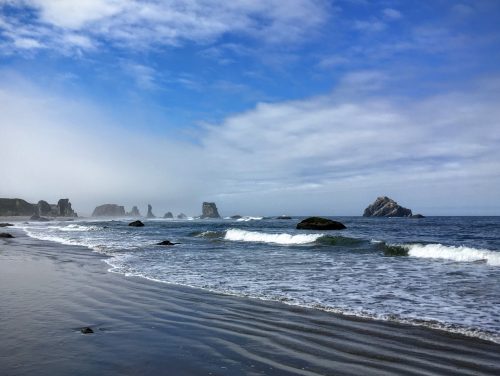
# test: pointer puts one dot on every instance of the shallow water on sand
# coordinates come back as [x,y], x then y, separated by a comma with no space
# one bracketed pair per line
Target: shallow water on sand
[442,272]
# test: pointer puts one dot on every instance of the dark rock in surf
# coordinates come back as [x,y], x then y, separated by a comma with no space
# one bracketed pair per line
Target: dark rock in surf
[134,212]
[236,217]
[168,215]
[417,216]
[318,223]
[209,210]
[166,242]
[6,224]
[386,207]
[150,212]
[109,210]
[284,217]
[136,224]
[182,216]
[86,330]
[6,235]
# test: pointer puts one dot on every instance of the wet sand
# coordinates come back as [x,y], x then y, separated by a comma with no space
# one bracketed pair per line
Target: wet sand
[49,291]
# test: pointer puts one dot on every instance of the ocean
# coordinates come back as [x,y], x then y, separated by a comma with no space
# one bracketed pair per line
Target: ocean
[439,272]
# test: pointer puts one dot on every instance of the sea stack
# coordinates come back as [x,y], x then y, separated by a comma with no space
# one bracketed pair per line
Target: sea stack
[64,208]
[109,210]
[209,210]
[134,212]
[386,207]
[150,212]
[168,215]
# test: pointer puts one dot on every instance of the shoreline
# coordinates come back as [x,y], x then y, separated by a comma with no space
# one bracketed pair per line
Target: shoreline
[152,325]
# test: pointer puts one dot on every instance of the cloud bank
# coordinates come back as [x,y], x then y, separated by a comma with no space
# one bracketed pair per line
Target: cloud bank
[321,155]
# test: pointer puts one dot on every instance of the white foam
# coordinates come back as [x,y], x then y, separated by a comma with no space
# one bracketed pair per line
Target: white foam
[246,219]
[253,236]
[461,254]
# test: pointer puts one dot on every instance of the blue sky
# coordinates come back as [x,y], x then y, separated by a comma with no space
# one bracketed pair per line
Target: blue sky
[299,106]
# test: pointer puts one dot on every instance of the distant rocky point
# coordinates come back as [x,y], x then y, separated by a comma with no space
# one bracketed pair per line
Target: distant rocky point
[18,207]
[109,210]
[386,207]
[209,210]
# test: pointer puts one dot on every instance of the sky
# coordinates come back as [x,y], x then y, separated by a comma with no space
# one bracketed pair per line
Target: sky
[299,107]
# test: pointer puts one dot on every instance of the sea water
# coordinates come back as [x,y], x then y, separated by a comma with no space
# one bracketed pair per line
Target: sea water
[441,272]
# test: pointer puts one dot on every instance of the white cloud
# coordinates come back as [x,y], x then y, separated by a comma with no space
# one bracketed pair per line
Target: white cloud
[391,14]
[141,24]
[323,155]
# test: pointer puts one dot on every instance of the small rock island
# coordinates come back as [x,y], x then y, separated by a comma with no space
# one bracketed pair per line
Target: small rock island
[387,207]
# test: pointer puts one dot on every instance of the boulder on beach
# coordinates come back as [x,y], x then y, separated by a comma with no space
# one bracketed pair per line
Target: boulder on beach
[318,223]
[6,235]
[134,212]
[150,212]
[182,216]
[136,224]
[109,210]
[168,215]
[6,224]
[386,207]
[209,210]
[166,242]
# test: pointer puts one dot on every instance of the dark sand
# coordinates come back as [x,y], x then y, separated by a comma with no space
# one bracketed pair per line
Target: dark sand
[49,291]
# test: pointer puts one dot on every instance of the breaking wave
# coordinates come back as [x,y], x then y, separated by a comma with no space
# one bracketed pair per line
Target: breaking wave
[460,253]
[262,237]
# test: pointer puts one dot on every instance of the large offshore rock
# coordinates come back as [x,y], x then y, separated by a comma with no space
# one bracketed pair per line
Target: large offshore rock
[16,207]
[136,224]
[318,223]
[168,215]
[109,210]
[43,208]
[64,208]
[150,212]
[386,207]
[209,210]
[182,216]
[134,212]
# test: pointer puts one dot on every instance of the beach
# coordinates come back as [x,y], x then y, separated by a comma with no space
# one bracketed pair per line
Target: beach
[50,291]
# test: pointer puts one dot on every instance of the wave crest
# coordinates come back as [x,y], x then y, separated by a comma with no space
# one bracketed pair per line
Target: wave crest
[460,254]
[262,237]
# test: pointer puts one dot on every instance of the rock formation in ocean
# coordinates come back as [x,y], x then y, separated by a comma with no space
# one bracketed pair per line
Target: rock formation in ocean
[136,224]
[150,212]
[36,217]
[64,207]
[417,216]
[182,216]
[284,217]
[386,207]
[237,216]
[168,215]
[318,223]
[134,212]
[86,330]
[209,210]
[43,208]
[109,210]
[6,235]
[6,224]
[16,207]
[166,242]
